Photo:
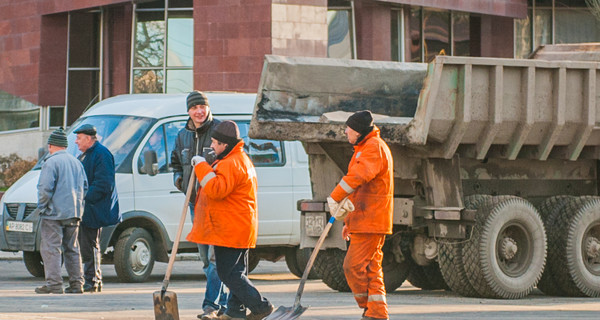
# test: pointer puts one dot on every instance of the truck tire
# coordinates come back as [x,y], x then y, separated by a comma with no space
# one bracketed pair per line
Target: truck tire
[450,255]
[296,260]
[33,263]
[253,260]
[134,255]
[550,209]
[506,254]
[427,277]
[577,262]
[331,263]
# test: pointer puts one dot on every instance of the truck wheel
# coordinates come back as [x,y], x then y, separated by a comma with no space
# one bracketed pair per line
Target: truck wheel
[253,260]
[33,263]
[550,209]
[450,255]
[134,255]
[297,259]
[577,263]
[331,263]
[427,277]
[506,254]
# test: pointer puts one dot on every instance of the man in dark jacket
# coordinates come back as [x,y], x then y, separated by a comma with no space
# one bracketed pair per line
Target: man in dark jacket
[193,140]
[101,203]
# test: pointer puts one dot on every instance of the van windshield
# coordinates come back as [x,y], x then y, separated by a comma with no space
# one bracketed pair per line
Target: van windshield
[120,134]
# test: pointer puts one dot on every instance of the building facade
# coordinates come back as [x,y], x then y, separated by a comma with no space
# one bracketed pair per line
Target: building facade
[58,57]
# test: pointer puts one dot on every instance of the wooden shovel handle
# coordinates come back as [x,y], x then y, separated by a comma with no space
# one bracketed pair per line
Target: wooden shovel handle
[188,195]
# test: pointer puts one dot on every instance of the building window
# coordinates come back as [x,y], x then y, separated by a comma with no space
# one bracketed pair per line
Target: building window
[83,67]
[17,113]
[163,49]
[555,21]
[340,29]
[429,33]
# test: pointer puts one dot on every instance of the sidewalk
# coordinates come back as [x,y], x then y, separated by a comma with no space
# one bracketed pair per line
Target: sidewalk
[11,255]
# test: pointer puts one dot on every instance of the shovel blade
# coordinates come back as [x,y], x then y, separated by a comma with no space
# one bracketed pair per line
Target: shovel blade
[165,305]
[286,313]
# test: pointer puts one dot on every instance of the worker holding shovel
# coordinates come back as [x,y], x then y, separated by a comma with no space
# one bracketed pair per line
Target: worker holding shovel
[226,217]
[369,185]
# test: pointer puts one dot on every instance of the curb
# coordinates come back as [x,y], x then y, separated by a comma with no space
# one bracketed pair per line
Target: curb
[10,256]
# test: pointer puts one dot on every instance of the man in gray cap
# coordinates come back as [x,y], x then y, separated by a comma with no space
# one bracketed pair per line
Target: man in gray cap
[195,140]
[61,190]
[101,203]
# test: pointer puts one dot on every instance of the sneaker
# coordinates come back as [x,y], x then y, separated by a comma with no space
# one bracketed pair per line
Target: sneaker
[209,313]
[260,315]
[46,290]
[74,289]
[371,318]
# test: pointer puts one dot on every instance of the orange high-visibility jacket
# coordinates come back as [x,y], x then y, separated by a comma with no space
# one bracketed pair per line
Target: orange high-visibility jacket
[226,212]
[369,184]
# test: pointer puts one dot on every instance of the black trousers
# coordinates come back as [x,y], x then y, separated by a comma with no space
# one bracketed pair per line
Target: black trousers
[232,269]
[89,242]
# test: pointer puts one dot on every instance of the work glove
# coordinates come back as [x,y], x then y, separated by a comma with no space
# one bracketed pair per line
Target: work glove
[197,159]
[340,209]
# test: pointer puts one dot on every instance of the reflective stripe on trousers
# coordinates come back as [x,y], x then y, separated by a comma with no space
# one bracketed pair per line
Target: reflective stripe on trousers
[362,267]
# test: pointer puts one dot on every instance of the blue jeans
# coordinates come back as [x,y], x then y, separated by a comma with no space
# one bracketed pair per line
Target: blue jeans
[216,295]
[232,268]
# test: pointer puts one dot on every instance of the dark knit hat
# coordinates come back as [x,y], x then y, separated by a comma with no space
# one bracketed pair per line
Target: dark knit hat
[361,122]
[196,98]
[227,132]
[87,128]
[58,138]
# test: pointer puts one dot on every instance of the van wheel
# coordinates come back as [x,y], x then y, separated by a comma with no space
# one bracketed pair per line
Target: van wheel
[33,263]
[296,260]
[134,255]
[253,260]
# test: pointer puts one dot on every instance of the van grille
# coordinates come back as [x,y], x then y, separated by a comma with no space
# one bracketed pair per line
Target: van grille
[13,209]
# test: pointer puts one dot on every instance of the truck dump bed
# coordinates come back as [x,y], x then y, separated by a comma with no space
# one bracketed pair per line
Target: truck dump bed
[546,106]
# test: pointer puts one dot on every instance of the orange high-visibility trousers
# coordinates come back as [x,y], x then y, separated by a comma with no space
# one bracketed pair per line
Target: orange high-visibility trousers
[362,267]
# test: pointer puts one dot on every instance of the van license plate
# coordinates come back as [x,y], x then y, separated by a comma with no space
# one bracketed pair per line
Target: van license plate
[19,226]
[314,223]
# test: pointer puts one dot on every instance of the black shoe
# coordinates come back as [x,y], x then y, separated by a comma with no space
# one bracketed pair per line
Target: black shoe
[260,315]
[46,290]
[74,288]
[89,287]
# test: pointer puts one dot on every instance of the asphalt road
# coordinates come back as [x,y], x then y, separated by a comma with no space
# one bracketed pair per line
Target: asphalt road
[134,300]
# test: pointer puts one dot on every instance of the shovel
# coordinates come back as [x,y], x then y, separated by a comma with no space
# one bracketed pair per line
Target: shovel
[295,311]
[165,302]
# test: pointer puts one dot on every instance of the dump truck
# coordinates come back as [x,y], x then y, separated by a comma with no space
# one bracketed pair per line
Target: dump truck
[495,166]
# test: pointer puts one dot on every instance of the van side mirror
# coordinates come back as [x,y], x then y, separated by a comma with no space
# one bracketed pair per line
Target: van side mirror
[42,152]
[150,162]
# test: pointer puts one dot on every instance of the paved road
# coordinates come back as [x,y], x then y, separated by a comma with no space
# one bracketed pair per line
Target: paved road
[134,301]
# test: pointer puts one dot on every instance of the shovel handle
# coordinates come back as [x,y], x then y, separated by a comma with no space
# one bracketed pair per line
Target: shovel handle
[313,256]
[188,195]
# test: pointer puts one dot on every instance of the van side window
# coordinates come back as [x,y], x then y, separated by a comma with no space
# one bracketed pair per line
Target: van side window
[156,143]
[263,153]
[172,129]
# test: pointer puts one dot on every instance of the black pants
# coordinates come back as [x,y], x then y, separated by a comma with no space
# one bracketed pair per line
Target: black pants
[232,269]
[89,242]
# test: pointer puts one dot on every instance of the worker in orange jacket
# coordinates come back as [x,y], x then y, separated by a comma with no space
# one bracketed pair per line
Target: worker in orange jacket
[369,185]
[226,217]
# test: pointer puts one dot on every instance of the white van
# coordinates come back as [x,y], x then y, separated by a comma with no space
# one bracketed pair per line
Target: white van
[130,125]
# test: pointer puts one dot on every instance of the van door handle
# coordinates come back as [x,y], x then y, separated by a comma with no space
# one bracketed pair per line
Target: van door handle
[175,191]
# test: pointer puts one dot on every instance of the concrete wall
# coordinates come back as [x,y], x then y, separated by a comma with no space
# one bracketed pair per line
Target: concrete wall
[24,143]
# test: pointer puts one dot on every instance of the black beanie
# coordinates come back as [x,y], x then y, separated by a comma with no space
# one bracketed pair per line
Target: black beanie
[227,132]
[361,122]
[196,98]
[58,138]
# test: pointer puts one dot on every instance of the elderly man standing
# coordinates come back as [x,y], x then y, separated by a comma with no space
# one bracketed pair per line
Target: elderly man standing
[227,218]
[101,203]
[369,185]
[61,189]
